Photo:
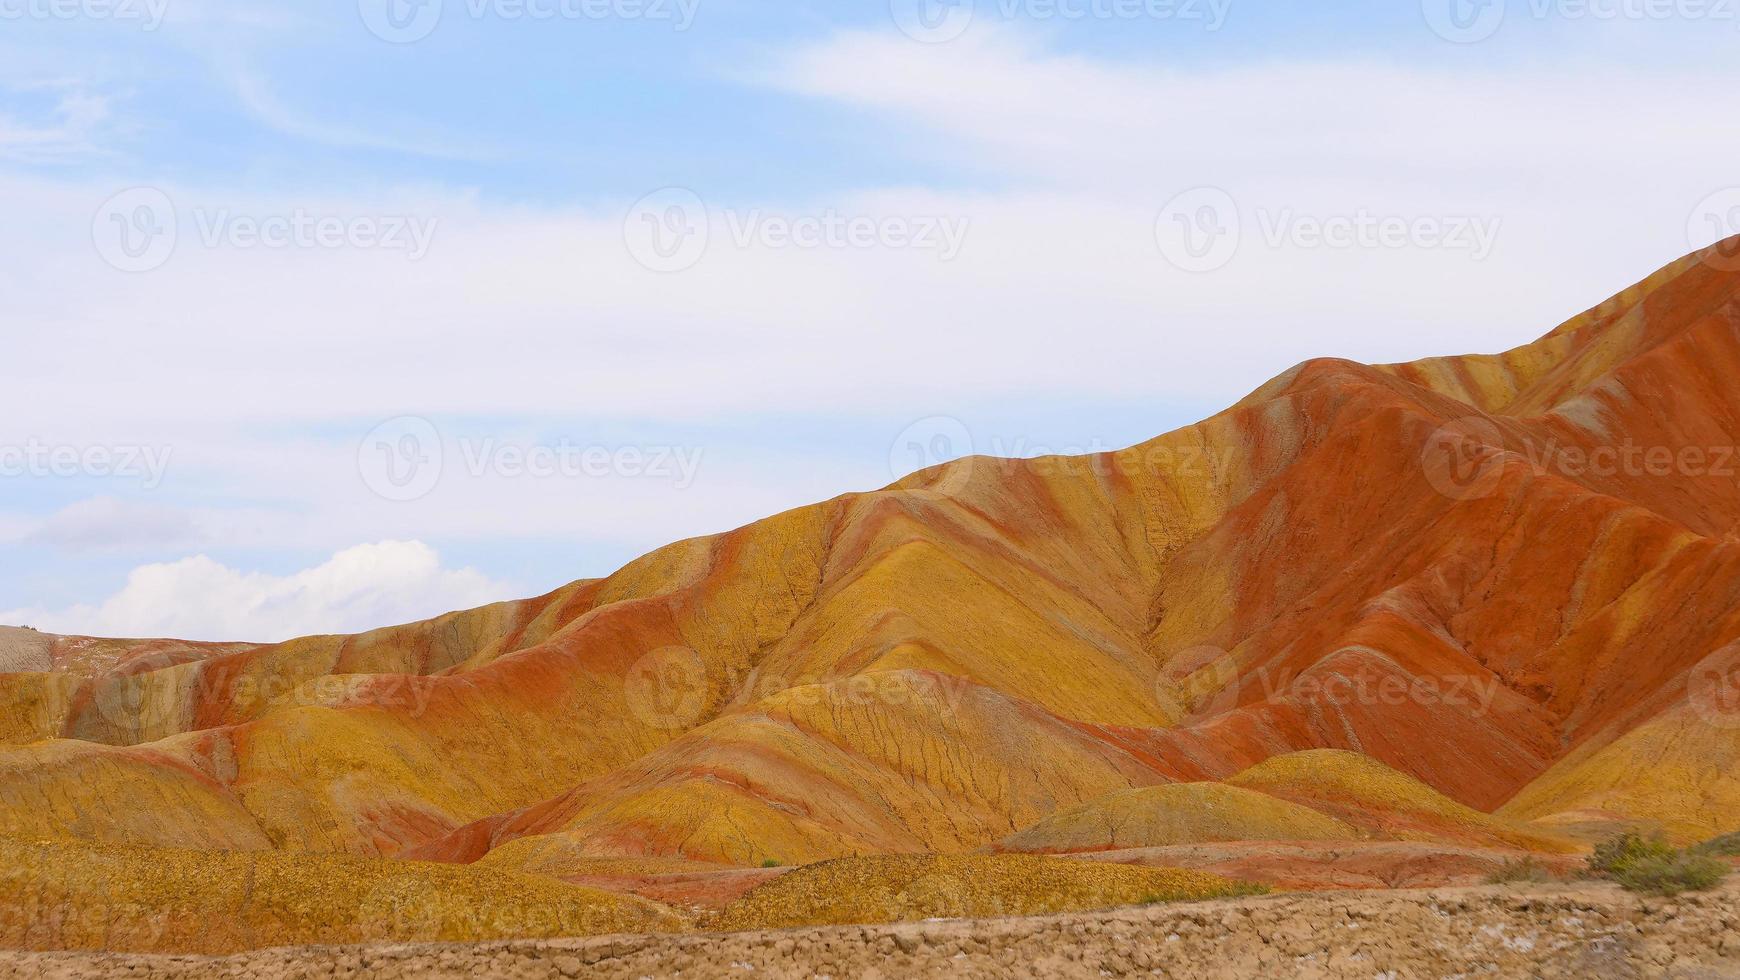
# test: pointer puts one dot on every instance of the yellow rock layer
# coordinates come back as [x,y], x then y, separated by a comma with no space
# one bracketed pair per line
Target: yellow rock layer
[1184,813]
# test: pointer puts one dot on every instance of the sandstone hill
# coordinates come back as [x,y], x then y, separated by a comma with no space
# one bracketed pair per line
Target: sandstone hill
[1484,601]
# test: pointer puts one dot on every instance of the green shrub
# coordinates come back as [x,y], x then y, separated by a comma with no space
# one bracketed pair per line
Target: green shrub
[1725,847]
[1234,889]
[1649,865]
[1682,872]
[770,863]
[1524,870]
[1615,854]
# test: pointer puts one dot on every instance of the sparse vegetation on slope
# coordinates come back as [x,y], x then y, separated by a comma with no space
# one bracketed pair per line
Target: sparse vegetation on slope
[1649,865]
[1728,845]
[916,887]
[1522,871]
[75,896]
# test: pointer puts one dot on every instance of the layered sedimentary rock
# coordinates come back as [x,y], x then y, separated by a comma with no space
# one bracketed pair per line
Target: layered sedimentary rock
[1486,600]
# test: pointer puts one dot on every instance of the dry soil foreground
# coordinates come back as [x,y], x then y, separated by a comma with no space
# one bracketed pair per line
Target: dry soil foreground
[1582,930]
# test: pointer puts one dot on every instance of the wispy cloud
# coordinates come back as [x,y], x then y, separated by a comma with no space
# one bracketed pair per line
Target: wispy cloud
[109,523]
[1002,101]
[256,95]
[53,121]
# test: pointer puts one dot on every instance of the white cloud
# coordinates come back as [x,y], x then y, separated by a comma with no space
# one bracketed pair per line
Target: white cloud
[518,311]
[360,588]
[1000,101]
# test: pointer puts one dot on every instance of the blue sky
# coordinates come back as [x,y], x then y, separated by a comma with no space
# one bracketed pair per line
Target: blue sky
[982,238]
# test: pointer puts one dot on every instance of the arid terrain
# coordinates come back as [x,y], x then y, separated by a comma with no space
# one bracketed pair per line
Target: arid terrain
[1574,932]
[1373,627]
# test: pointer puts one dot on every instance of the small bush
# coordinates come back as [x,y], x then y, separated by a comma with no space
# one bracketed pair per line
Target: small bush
[1524,870]
[771,863]
[1723,847]
[1649,865]
[1618,853]
[1683,872]
[1236,889]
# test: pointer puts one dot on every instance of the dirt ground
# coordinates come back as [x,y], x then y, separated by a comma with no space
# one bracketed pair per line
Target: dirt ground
[1571,931]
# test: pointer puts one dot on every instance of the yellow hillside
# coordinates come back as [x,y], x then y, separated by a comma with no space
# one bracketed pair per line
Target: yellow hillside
[1679,771]
[76,896]
[1371,795]
[1185,813]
